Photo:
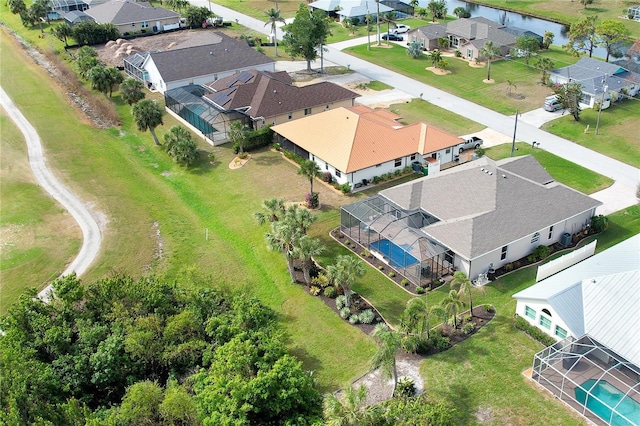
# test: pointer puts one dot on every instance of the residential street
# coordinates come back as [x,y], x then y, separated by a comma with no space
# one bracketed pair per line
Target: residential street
[627,177]
[92,237]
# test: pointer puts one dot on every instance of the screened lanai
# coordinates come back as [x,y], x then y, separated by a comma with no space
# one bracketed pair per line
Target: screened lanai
[394,235]
[188,103]
[591,378]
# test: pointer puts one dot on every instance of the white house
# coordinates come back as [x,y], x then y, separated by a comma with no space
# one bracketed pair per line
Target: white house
[483,213]
[356,144]
[591,308]
[222,56]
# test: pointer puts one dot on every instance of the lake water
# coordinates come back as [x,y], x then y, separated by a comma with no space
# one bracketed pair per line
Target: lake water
[513,19]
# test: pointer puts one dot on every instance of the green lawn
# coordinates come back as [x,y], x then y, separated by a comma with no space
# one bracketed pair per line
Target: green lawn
[421,111]
[467,82]
[564,171]
[615,132]
[38,236]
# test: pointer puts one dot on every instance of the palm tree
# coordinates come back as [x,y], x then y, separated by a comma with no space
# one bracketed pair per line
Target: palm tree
[414,50]
[435,56]
[452,305]
[344,273]
[148,115]
[510,86]
[301,219]
[414,4]
[367,19]
[415,318]
[350,410]
[462,283]
[237,135]
[281,238]
[304,249]
[274,211]
[544,64]
[378,20]
[310,170]
[489,51]
[461,12]
[389,18]
[274,18]
[131,90]
[388,345]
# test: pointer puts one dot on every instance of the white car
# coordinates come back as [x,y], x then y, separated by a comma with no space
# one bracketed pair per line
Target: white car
[400,29]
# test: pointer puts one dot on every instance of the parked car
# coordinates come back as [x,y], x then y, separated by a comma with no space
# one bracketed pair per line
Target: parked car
[400,29]
[473,142]
[392,37]
[551,103]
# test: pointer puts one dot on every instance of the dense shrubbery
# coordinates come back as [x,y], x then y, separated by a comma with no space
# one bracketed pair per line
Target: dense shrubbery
[535,332]
[126,351]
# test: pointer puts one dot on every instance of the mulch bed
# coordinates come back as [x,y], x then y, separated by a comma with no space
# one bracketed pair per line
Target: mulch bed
[481,317]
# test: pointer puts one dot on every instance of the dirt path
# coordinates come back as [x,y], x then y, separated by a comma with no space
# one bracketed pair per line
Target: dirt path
[92,237]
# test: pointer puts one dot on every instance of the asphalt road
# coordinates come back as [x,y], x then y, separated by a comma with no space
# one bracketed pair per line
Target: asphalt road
[92,237]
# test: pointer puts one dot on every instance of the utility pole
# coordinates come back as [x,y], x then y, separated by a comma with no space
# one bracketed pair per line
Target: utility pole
[515,129]
[605,88]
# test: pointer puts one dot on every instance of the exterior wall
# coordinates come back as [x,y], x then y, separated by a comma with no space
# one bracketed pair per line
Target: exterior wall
[162,86]
[137,26]
[368,173]
[524,246]
[284,118]
[445,155]
[422,39]
[538,306]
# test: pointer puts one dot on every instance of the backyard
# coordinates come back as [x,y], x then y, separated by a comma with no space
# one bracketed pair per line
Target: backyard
[158,214]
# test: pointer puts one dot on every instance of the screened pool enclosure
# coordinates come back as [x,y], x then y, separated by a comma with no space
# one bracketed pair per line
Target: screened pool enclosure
[595,381]
[394,235]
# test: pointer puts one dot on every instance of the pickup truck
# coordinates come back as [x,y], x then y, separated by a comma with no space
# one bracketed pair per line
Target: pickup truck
[400,29]
[472,142]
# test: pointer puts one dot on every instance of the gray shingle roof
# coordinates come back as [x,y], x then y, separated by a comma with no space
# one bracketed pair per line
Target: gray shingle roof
[226,55]
[267,94]
[588,68]
[120,12]
[482,210]
[477,30]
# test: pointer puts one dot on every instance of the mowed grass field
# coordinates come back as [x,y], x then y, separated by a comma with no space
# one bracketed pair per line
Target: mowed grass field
[157,216]
[37,236]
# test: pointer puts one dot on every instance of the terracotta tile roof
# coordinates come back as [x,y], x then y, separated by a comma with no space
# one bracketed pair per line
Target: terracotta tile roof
[358,137]
[266,94]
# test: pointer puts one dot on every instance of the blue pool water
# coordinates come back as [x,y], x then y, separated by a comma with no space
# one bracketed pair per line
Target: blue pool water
[608,397]
[398,258]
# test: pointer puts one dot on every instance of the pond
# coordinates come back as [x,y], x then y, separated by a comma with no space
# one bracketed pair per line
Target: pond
[518,20]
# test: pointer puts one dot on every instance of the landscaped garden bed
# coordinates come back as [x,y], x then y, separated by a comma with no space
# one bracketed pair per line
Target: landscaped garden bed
[384,268]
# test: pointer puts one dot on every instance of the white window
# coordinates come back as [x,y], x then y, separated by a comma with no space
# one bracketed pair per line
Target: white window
[144,25]
[550,232]
[413,157]
[307,111]
[338,174]
[398,162]
[561,332]
[290,116]
[535,238]
[503,254]
[530,313]
[545,322]
[448,151]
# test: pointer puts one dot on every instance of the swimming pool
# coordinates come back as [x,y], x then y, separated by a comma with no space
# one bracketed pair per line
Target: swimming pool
[608,397]
[398,258]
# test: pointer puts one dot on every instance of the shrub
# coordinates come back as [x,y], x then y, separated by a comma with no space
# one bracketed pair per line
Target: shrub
[488,308]
[321,280]
[508,267]
[276,146]
[367,253]
[391,274]
[599,223]
[404,282]
[313,200]
[212,157]
[243,155]
[330,292]
[406,388]
[367,316]
[327,177]
[537,334]
[345,188]
[314,290]
[420,290]
[341,301]
[468,328]
[397,172]
[438,341]
[375,179]
[480,152]
[345,312]
[468,318]
[457,53]
[353,319]
[381,268]
[406,170]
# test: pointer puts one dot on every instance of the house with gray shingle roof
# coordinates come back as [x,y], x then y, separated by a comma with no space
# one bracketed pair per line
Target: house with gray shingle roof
[483,214]
[599,80]
[220,57]
[132,17]
[347,9]
[468,35]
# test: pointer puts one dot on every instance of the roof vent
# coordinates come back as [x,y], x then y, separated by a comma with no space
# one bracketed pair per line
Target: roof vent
[504,176]
[210,53]
[491,173]
[482,169]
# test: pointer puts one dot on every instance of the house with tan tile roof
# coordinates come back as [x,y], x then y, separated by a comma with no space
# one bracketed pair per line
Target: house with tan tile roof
[356,144]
